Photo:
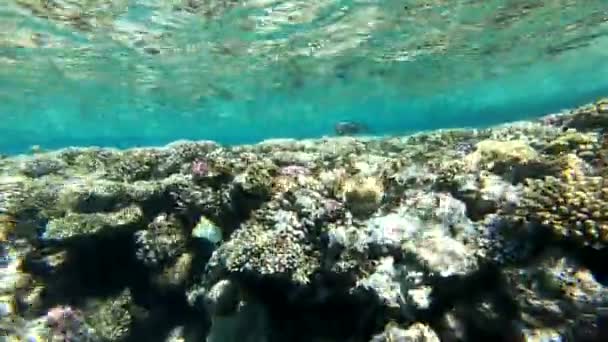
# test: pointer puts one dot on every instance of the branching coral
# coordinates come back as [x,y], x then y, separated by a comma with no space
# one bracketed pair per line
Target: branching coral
[267,252]
[576,210]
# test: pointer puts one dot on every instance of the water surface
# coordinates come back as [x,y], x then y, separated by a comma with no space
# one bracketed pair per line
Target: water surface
[146,72]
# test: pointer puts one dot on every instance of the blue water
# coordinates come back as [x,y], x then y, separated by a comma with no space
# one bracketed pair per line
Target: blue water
[81,87]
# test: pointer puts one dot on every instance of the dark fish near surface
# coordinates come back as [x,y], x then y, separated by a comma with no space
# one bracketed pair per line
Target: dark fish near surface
[350,128]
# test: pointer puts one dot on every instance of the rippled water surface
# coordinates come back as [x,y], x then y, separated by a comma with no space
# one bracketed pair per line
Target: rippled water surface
[129,72]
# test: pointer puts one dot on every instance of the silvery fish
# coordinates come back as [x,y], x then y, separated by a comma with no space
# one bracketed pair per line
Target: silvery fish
[207,230]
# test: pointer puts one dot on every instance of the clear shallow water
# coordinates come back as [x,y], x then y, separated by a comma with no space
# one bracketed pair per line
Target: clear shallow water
[124,73]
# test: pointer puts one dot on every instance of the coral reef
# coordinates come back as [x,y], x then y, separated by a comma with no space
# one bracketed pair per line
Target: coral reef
[457,235]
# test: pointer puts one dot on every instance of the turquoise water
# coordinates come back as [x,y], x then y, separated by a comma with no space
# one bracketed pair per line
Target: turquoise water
[127,73]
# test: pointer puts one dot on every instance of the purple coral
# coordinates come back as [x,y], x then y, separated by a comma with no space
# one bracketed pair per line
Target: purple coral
[66,324]
[200,168]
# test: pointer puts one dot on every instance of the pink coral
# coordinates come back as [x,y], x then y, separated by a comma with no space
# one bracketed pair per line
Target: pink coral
[66,324]
[200,168]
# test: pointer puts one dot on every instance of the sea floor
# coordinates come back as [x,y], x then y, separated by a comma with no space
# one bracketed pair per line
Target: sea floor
[453,235]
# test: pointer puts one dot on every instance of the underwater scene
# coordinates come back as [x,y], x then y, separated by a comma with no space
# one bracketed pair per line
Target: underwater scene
[303,170]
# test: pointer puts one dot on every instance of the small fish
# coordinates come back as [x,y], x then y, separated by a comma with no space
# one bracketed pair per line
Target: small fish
[36,149]
[343,128]
[207,230]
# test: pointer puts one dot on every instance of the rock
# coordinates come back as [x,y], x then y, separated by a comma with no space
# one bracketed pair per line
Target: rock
[223,298]
[250,323]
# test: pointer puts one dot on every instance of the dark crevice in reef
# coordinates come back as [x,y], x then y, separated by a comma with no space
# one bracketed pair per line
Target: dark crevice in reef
[476,207]
[533,242]
[230,219]
[101,267]
[317,310]
[484,286]
[157,204]
[244,203]
[201,253]
[328,309]
[591,258]
[94,267]
[96,203]
[165,310]
[542,238]
[216,183]
[449,290]
[228,215]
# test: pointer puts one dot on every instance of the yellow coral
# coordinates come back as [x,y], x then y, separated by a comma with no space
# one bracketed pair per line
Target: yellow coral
[576,210]
[571,168]
[572,140]
[601,106]
[362,195]
[283,184]
[490,152]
